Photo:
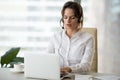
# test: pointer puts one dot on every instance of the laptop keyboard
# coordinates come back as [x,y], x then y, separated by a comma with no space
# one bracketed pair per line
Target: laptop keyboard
[67,76]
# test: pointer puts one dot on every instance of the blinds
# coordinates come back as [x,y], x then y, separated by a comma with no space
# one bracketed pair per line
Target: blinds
[28,24]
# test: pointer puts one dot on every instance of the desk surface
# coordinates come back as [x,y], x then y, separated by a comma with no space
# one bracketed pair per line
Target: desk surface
[97,76]
[6,74]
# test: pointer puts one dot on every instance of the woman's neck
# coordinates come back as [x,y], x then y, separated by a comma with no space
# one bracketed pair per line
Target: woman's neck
[70,33]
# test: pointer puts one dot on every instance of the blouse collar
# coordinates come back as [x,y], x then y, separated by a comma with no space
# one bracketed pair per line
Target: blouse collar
[77,34]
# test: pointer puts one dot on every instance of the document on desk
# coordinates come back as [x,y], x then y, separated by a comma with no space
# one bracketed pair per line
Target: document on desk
[108,77]
[103,77]
[82,77]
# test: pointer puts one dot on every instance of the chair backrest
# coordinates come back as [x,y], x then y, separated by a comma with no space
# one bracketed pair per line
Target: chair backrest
[93,31]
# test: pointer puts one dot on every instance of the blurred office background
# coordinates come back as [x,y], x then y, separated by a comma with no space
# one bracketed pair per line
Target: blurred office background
[30,23]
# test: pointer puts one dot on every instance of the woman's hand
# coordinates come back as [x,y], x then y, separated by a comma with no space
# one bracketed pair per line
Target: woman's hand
[66,70]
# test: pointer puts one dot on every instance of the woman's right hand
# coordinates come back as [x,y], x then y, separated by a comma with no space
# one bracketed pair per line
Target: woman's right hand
[66,70]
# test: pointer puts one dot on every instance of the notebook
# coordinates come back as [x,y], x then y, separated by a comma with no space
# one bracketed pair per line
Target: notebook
[42,65]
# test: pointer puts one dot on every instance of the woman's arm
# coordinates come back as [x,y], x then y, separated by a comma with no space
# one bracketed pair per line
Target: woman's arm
[51,46]
[85,64]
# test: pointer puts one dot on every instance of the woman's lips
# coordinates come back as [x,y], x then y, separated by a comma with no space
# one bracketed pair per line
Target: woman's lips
[69,25]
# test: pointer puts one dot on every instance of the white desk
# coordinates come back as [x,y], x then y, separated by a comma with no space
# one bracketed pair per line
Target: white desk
[5,74]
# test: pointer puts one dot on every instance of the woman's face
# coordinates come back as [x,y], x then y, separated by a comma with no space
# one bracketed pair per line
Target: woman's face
[70,21]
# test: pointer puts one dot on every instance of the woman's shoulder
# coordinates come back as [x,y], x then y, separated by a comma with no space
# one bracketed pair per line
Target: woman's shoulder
[57,34]
[86,34]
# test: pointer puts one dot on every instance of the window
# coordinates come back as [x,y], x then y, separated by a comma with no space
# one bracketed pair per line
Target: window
[28,24]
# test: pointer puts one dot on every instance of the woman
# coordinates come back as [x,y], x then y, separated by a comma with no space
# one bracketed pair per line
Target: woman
[74,47]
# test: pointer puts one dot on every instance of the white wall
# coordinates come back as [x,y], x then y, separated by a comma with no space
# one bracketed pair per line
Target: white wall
[105,16]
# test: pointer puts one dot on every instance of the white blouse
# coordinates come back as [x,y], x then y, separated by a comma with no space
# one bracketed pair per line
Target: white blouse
[75,52]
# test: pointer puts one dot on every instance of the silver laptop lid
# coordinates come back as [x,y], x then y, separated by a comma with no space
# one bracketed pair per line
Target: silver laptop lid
[42,65]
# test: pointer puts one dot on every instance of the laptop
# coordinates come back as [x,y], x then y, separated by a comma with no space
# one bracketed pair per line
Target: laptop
[42,66]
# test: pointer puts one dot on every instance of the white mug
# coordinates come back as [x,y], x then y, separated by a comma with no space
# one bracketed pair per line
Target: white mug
[19,67]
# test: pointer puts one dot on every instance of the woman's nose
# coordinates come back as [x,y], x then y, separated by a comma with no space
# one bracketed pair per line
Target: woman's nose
[68,20]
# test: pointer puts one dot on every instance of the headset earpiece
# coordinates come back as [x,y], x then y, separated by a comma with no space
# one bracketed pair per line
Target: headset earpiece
[80,19]
[61,23]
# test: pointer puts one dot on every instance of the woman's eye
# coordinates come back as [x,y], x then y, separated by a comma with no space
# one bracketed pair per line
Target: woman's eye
[64,17]
[73,17]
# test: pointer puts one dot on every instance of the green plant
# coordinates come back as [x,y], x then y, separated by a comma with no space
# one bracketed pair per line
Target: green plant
[16,60]
[9,56]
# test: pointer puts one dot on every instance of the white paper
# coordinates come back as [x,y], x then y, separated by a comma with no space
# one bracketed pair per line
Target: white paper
[103,77]
[112,77]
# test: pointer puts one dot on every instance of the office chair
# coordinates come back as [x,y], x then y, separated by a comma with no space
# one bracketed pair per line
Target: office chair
[93,31]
